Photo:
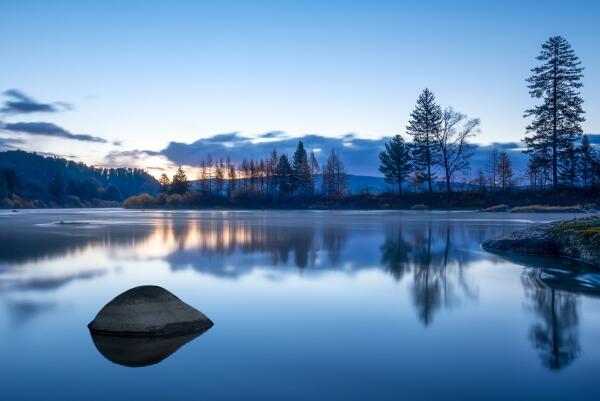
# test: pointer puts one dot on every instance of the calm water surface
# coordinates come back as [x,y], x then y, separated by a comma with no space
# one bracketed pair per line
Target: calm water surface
[306,305]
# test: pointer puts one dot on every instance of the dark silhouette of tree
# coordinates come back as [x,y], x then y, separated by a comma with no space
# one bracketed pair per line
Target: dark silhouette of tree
[492,169]
[557,120]
[335,179]
[315,169]
[539,169]
[396,162]
[425,121]
[302,177]
[569,165]
[164,183]
[271,169]
[451,141]
[586,162]
[284,176]
[219,177]
[480,180]
[505,171]
[180,184]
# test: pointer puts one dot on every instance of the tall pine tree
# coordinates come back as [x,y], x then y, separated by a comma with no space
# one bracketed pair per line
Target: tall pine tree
[396,162]
[557,120]
[302,176]
[425,121]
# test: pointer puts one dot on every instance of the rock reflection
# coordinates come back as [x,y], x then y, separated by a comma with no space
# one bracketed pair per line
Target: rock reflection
[139,351]
[555,333]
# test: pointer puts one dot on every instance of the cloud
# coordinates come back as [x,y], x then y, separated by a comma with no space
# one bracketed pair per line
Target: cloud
[272,134]
[360,155]
[10,144]
[128,158]
[48,129]
[20,103]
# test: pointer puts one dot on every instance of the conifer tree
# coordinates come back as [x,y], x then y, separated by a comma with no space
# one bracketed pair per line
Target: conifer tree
[302,177]
[396,162]
[425,121]
[180,184]
[284,176]
[557,120]
[164,183]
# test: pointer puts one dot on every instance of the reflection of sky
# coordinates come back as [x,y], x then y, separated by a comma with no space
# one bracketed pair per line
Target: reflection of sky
[377,296]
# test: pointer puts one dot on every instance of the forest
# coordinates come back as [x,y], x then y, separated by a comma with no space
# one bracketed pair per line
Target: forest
[430,169]
[30,180]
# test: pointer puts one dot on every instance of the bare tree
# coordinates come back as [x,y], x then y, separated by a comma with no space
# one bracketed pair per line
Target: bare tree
[452,143]
[219,176]
[505,172]
[492,169]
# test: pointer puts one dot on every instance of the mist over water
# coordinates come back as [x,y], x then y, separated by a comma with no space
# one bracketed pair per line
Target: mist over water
[306,305]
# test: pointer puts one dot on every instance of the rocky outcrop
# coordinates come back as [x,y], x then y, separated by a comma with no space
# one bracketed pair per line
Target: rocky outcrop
[575,239]
[148,311]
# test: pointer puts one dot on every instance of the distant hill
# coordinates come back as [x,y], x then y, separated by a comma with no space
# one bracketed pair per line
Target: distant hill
[29,179]
[362,183]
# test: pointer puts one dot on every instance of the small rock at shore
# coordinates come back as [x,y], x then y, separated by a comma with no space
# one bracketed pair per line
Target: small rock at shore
[148,311]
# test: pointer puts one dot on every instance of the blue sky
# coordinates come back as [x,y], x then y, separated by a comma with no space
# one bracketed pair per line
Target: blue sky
[144,74]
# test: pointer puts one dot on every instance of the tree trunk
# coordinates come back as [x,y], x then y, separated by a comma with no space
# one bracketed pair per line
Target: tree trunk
[554,118]
[428,163]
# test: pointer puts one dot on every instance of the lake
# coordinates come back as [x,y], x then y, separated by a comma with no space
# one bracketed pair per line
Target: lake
[322,305]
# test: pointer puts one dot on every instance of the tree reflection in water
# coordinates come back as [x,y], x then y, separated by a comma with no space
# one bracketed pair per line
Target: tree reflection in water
[437,265]
[555,333]
[430,253]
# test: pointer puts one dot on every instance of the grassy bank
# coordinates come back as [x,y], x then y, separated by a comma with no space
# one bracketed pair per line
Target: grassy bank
[571,200]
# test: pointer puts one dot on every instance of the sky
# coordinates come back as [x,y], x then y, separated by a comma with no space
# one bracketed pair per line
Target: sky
[149,83]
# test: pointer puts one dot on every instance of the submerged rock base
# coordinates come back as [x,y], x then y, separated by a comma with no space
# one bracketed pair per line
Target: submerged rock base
[575,239]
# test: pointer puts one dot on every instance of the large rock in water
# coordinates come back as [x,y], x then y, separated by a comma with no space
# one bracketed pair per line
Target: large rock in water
[577,239]
[530,241]
[148,311]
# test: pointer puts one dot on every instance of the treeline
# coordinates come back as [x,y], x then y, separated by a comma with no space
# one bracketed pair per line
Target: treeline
[32,180]
[275,180]
[437,157]
[559,154]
